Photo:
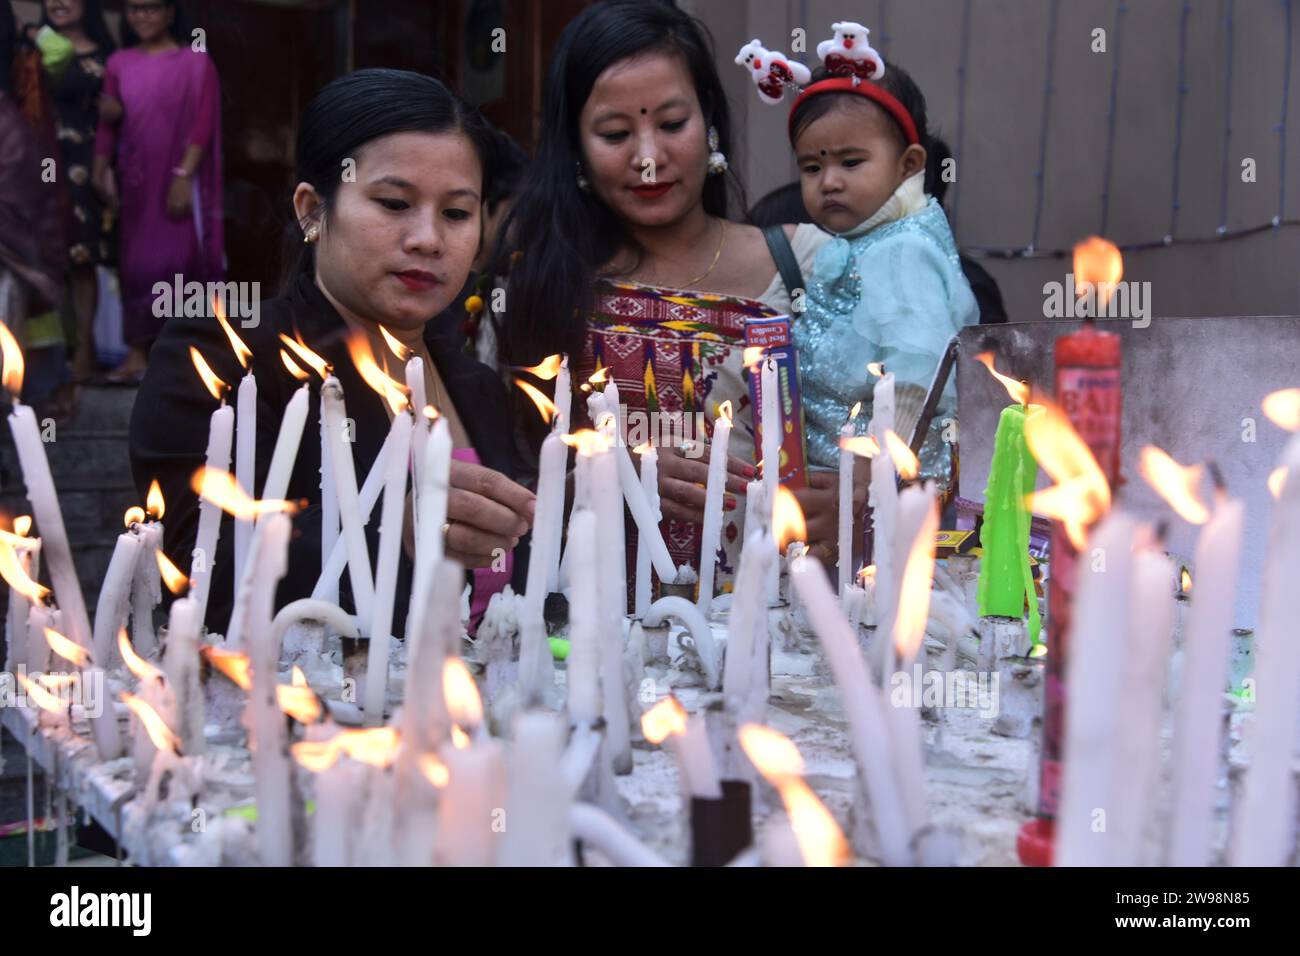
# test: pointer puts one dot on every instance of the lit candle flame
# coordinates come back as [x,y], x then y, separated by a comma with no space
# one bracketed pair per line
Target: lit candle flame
[869,571]
[752,357]
[307,356]
[546,369]
[392,391]
[133,515]
[587,442]
[221,489]
[296,370]
[44,699]
[299,702]
[904,459]
[155,505]
[68,649]
[159,733]
[234,666]
[864,446]
[1283,408]
[663,720]
[787,519]
[877,369]
[1081,494]
[12,353]
[544,405]
[461,693]
[1276,479]
[399,349]
[16,576]
[600,376]
[136,664]
[853,413]
[645,446]
[374,746]
[724,411]
[821,842]
[315,755]
[1175,483]
[175,579]
[434,770]
[1018,391]
[1097,262]
[431,414]
[215,386]
[1185,581]
[242,351]
[22,525]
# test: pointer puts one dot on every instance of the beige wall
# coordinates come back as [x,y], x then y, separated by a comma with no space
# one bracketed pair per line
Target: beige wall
[994,194]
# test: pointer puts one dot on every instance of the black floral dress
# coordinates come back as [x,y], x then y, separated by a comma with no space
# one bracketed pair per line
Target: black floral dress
[76,106]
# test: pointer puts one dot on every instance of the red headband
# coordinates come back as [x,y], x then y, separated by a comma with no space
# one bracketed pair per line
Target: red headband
[850,84]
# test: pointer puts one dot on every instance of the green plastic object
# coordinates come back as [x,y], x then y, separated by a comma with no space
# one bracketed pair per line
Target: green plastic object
[559,648]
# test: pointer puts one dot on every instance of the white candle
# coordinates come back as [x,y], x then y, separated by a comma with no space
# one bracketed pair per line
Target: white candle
[345,486]
[429,544]
[747,609]
[390,546]
[563,398]
[220,434]
[1198,712]
[1137,748]
[367,497]
[154,691]
[146,588]
[468,818]
[287,441]
[694,756]
[536,671]
[714,493]
[538,796]
[773,430]
[614,405]
[29,556]
[420,437]
[650,484]
[845,539]
[58,557]
[339,790]
[883,491]
[863,709]
[181,665]
[271,767]
[328,587]
[1263,828]
[245,463]
[114,595]
[1098,656]
[611,554]
[584,620]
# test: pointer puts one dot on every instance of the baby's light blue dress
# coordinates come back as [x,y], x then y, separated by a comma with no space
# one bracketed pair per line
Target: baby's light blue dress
[894,294]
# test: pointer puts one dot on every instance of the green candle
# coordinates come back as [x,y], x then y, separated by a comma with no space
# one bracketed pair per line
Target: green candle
[1006,583]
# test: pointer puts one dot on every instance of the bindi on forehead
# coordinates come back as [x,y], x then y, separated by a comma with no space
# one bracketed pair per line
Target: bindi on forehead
[644,111]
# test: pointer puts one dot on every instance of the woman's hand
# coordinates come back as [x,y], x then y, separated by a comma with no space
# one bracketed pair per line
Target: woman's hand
[820,502]
[110,109]
[487,513]
[180,197]
[682,482]
[105,183]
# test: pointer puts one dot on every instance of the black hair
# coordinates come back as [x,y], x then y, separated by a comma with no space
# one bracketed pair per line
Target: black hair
[563,233]
[896,81]
[8,47]
[782,205]
[357,109]
[92,24]
[504,171]
[935,184]
[179,30]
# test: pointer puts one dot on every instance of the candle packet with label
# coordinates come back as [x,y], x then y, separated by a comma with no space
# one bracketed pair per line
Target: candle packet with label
[773,336]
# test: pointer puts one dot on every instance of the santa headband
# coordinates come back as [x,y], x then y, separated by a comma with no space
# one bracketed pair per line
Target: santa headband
[847,55]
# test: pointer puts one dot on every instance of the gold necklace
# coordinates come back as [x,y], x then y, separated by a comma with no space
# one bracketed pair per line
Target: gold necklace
[717,256]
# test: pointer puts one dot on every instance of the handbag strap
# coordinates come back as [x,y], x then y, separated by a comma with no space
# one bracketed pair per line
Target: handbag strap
[778,243]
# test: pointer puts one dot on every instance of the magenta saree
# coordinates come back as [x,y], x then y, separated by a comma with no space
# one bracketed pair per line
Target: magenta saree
[170,101]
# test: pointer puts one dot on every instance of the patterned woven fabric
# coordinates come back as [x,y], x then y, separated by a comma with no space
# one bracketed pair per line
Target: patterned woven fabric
[675,356]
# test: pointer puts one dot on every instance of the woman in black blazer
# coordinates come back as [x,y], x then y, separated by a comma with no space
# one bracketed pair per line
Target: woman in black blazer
[388,200]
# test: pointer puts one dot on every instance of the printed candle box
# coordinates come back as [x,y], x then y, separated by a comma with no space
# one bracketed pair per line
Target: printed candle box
[773,334]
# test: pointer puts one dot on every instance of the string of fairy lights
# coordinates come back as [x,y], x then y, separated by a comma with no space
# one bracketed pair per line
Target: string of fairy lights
[1227,166]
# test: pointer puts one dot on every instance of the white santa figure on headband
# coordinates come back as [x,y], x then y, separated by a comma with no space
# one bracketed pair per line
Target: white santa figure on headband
[770,70]
[849,54]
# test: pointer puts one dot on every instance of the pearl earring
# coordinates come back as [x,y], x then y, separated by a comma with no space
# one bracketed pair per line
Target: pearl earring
[582,180]
[717,161]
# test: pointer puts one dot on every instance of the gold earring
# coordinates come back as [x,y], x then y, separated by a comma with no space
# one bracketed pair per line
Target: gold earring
[312,235]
